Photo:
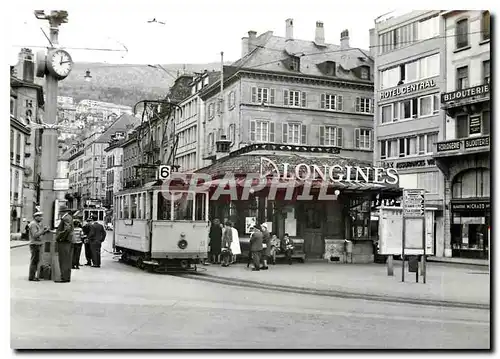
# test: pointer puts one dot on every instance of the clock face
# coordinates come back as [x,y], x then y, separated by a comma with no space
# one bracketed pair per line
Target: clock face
[61,63]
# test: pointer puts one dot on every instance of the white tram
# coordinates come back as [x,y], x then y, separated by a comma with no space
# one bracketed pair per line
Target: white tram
[99,213]
[158,227]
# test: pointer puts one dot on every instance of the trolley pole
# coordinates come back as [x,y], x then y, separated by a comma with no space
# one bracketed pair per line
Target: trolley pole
[49,154]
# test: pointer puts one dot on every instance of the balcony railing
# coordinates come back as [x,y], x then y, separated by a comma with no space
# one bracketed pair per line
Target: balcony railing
[463,146]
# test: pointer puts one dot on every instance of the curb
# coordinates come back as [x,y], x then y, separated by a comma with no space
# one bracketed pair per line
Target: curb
[457,263]
[19,245]
[334,293]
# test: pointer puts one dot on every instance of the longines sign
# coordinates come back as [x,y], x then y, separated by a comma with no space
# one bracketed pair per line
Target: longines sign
[460,94]
[335,173]
[406,90]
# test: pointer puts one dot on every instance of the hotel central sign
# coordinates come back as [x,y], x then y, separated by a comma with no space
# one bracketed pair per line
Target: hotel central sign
[408,89]
[334,173]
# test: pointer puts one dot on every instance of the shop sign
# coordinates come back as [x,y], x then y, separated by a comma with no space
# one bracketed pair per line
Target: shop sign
[448,146]
[408,89]
[335,173]
[477,142]
[461,94]
[409,164]
[475,125]
[471,206]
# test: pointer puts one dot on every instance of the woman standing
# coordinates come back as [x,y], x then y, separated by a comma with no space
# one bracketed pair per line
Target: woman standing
[77,244]
[235,245]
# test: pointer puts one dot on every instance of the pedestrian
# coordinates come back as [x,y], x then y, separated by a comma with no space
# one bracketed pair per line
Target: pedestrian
[36,231]
[287,247]
[235,245]
[266,246]
[86,243]
[215,236]
[275,245]
[227,239]
[64,237]
[77,244]
[256,248]
[97,235]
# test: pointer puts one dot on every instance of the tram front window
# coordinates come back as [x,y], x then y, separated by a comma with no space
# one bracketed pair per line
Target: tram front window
[200,206]
[183,207]
[164,207]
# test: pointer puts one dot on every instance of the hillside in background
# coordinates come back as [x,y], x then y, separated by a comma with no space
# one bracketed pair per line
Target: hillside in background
[124,84]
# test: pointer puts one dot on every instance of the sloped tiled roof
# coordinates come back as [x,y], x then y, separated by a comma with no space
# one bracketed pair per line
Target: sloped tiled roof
[271,49]
[122,124]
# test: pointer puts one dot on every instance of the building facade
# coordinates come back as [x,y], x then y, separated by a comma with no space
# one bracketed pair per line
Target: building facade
[409,51]
[114,168]
[76,181]
[131,158]
[463,152]
[313,105]
[26,108]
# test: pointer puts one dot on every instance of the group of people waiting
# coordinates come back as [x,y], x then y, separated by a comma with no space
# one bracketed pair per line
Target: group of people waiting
[225,245]
[70,236]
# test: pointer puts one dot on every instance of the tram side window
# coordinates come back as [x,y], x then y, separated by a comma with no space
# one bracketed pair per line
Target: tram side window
[120,204]
[133,206]
[200,207]
[164,207]
[183,207]
[101,215]
[125,207]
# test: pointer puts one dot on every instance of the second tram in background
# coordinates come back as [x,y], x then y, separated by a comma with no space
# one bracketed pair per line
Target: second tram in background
[159,228]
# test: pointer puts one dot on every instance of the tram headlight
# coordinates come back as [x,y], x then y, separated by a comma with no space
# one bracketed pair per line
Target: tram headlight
[182,244]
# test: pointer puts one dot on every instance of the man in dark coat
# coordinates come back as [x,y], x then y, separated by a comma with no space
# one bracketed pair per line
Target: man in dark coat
[256,248]
[96,236]
[266,244]
[215,236]
[64,237]
[88,251]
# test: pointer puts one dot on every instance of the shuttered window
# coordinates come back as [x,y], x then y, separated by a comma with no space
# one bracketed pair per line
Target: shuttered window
[363,138]
[332,102]
[294,133]
[294,98]
[262,131]
[263,95]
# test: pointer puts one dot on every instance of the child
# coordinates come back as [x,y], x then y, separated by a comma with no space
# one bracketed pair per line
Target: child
[77,244]
[287,247]
[275,245]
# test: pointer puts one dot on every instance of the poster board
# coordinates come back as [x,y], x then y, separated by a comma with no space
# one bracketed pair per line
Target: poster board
[249,223]
[414,233]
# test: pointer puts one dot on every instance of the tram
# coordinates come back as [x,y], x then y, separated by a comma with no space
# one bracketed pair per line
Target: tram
[99,213]
[160,228]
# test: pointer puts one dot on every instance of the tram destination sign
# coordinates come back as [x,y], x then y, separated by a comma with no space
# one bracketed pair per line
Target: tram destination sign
[413,202]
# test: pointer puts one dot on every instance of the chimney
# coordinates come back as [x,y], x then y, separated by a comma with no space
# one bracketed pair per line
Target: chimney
[26,65]
[319,39]
[344,40]
[372,42]
[289,29]
[252,40]
[244,46]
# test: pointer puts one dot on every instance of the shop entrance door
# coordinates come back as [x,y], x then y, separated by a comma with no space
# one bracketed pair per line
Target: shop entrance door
[313,222]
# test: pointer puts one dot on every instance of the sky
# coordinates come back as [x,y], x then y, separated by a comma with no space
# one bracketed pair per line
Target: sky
[195,31]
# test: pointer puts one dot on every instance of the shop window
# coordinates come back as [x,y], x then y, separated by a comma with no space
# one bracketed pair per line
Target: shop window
[360,215]
[474,183]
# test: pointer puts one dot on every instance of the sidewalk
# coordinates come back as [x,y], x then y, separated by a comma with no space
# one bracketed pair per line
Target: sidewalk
[18,243]
[458,284]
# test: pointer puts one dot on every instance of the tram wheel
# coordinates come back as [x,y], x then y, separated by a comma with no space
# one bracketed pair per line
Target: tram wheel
[140,263]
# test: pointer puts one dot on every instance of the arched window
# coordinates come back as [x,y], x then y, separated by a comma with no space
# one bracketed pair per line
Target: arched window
[485,25]
[472,183]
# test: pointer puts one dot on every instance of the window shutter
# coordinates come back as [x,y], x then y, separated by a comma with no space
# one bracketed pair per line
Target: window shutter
[322,134]
[340,103]
[323,98]
[252,131]
[358,104]
[340,139]
[285,132]
[356,138]
[254,94]
[271,132]
[304,134]
[271,96]
[304,99]
[371,139]
[372,105]
[286,95]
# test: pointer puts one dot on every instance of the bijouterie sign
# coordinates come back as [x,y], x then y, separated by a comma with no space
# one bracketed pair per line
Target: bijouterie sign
[408,89]
[461,94]
[335,173]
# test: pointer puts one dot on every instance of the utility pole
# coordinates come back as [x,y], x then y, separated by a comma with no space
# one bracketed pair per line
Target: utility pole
[50,133]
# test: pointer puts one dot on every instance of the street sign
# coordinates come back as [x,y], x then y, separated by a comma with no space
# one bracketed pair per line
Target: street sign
[164,172]
[413,202]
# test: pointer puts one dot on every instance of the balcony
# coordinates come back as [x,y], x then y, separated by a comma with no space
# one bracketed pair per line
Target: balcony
[471,99]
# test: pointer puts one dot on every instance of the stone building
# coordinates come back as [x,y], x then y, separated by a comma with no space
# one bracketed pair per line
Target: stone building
[463,152]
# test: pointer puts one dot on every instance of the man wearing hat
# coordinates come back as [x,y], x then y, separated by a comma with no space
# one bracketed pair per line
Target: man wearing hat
[64,237]
[96,236]
[35,232]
